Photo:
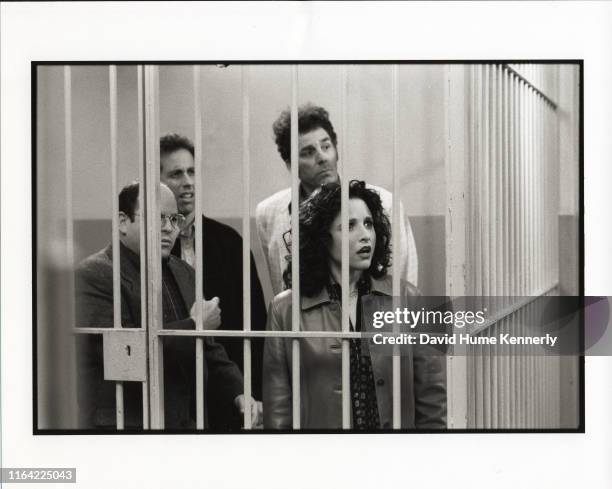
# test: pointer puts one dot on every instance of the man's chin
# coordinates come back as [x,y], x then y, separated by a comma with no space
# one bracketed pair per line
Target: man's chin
[187,209]
[331,178]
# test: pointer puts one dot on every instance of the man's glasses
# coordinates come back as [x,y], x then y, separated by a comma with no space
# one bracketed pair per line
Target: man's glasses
[175,220]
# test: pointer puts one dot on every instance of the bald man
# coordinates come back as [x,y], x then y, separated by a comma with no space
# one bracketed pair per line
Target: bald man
[94,307]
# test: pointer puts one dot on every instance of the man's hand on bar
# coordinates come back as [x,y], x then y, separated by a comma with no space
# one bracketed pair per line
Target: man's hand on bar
[256,410]
[211,313]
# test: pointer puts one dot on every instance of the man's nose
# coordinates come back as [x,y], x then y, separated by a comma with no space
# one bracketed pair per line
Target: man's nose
[321,156]
[187,180]
[166,226]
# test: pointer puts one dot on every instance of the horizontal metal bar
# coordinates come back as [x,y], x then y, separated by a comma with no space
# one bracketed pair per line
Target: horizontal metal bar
[504,313]
[262,334]
[95,330]
[234,334]
[531,85]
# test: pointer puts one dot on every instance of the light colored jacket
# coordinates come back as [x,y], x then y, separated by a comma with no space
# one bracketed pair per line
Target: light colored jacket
[273,220]
[423,374]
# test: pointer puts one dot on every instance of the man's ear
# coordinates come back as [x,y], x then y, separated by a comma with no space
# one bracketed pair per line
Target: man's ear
[124,221]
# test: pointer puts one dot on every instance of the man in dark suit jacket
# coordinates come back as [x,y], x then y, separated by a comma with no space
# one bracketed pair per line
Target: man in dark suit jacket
[94,306]
[222,262]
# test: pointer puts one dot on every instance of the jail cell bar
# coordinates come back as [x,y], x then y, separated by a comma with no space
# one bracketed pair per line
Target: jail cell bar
[199,252]
[502,235]
[112,83]
[67,86]
[295,253]
[344,218]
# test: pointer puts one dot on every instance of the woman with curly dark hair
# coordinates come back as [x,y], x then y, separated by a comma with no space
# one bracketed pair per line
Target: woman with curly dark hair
[423,375]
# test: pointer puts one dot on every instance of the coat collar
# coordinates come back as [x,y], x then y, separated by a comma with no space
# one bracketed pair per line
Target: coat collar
[130,272]
[378,287]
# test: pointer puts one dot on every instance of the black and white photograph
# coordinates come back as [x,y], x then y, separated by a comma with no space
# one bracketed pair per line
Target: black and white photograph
[462,179]
[306,244]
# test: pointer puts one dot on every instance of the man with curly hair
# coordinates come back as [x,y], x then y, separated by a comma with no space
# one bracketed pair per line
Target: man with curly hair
[318,165]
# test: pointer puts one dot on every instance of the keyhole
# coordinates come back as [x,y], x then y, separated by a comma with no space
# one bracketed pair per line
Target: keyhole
[128,349]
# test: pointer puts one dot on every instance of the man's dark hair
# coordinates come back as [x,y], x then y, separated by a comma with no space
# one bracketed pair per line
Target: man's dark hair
[171,142]
[316,216]
[128,198]
[310,117]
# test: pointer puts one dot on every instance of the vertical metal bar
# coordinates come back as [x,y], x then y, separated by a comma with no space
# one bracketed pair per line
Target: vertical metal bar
[505,190]
[525,240]
[472,240]
[397,399]
[246,241]
[542,195]
[344,219]
[484,183]
[493,236]
[538,189]
[477,235]
[500,222]
[480,391]
[458,131]
[152,213]
[530,186]
[523,374]
[142,232]
[112,82]
[502,245]
[556,154]
[532,239]
[549,407]
[69,229]
[549,183]
[541,379]
[486,234]
[199,250]
[68,162]
[295,248]
[471,389]
[553,191]
[472,129]
[478,240]
[541,232]
[516,181]
[528,235]
[545,382]
[522,254]
[547,278]
[515,257]
[523,186]
[492,182]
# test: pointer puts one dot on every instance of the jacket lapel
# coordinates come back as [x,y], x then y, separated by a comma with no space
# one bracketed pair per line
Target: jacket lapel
[184,280]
